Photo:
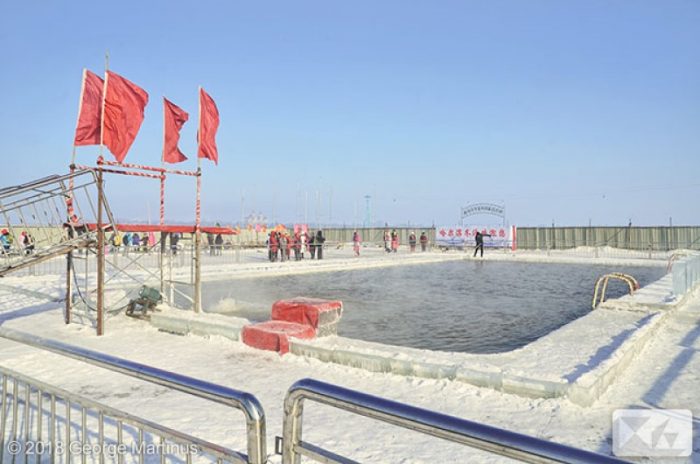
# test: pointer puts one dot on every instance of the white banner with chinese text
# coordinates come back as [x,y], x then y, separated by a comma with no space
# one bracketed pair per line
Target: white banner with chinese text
[465,236]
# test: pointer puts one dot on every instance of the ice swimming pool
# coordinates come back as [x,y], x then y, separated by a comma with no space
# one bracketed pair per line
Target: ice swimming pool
[462,306]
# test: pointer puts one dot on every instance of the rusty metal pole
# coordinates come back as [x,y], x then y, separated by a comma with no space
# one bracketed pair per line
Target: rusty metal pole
[100,256]
[69,265]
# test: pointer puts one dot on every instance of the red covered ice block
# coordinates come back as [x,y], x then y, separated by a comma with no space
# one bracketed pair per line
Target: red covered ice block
[314,312]
[274,335]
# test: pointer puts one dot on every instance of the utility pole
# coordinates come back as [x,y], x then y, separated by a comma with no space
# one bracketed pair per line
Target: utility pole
[368,210]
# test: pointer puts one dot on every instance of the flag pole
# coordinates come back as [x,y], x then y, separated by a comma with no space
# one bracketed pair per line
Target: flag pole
[71,183]
[197,230]
[162,177]
[77,121]
[100,229]
[102,116]
[163,235]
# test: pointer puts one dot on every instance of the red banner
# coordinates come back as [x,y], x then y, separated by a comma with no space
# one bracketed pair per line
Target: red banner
[208,124]
[87,131]
[175,118]
[124,106]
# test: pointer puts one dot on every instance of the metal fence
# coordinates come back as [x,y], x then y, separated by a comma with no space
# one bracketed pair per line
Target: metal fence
[629,238]
[494,440]
[40,422]
[30,419]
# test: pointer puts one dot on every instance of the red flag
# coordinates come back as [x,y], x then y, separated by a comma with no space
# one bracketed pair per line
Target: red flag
[124,106]
[208,124]
[87,131]
[175,118]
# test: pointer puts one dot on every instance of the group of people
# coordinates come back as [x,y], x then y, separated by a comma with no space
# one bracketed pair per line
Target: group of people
[216,244]
[26,242]
[132,241]
[282,244]
[391,241]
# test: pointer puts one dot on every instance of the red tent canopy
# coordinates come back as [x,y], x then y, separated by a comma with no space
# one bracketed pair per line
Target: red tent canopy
[168,228]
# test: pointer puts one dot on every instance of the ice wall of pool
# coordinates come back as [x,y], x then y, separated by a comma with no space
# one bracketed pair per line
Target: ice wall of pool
[578,360]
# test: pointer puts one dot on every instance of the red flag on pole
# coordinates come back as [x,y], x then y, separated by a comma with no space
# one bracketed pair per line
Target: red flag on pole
[208,124]
[175,118]
[87,131]
[123,114]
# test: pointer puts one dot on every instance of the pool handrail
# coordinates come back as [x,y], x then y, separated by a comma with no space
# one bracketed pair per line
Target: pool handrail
[484,437]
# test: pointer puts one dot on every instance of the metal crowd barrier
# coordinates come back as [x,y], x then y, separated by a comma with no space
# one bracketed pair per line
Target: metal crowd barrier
[498,441]
[38,419]
[245,402]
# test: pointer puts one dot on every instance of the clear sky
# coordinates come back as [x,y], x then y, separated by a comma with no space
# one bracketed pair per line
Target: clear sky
[566,111]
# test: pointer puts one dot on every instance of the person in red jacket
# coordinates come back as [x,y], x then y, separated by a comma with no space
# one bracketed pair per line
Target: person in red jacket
[423,241]
[356,239]
[273,246]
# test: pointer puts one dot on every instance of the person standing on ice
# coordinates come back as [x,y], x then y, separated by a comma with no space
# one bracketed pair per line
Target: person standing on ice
[219,243]
[387,241]
[423,241]
[296,245]
[135,241]
[356,242]
[5,240]
[273,246]
[412,241]
[174,238]
[394,241]
[319,244]
[480,243]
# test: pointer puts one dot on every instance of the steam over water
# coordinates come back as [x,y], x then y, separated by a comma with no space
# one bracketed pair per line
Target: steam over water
[464,306]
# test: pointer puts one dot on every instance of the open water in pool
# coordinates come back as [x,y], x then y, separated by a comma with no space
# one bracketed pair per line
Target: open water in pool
[464,306]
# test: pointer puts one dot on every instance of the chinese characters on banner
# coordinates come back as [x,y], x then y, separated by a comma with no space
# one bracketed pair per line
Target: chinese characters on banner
[464,236]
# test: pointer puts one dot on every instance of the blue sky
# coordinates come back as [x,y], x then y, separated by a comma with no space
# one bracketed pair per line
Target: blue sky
[565,111]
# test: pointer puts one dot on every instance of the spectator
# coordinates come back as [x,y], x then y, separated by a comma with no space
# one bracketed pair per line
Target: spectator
[394,241]
[296,245]
[219,242]
[127,241]
[5,240]
[312,246]
[273,245]
[174,238]
[319,243]
[423,241]
[303,239]
[412,241]
[283,242]
[135,241]
[210,242]
[356,239]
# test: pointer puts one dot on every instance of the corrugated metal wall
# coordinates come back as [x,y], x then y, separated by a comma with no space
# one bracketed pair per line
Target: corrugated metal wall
[634,238]
[375,234]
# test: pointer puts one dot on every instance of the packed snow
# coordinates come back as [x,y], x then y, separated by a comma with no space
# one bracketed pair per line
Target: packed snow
[661,371]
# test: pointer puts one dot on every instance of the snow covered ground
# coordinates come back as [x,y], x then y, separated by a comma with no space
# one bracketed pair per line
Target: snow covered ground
[663,373]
